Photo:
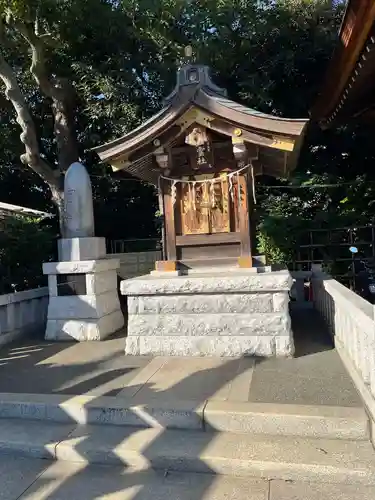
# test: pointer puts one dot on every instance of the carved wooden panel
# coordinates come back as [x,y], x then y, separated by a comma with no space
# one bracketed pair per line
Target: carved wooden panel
[194,209]
[219,216]
[205,207]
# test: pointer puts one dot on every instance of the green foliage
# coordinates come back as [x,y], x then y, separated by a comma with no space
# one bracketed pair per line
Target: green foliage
[274,242]
[25,243]
[121,58]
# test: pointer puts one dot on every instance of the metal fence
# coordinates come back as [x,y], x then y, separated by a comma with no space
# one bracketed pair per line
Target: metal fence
[134,245]
[330,248]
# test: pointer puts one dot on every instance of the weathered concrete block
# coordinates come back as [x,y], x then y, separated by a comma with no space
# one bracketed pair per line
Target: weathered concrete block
[255,324]
[284,344]
[219,283]
[226,314]
[225,345]
[83,306]
[52,285]
[77,249]
[85,266]
[99,283]
[84,329]
[198,304]
[280,301]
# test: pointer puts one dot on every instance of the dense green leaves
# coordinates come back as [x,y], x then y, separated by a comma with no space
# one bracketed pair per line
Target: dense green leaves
[25,243]
[121,58]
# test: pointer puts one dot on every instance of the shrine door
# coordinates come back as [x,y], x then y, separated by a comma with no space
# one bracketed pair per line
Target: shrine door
[205,206]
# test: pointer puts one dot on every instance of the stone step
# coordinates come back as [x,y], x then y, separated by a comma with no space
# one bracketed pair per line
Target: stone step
[246,455]
[63,480]
[27,479]
[33,479]
[209,416]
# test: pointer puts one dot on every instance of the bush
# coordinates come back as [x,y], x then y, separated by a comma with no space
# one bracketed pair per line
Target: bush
[278,238]
[25,243]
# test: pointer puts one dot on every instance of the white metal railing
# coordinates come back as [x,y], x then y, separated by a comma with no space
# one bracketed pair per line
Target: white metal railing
[22,313]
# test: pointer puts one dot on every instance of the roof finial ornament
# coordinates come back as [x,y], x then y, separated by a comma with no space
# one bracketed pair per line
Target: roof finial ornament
[188,55]
[188,52]
[189,72]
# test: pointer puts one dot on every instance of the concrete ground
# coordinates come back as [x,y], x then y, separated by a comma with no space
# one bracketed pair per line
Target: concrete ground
[34,479]
[316,376]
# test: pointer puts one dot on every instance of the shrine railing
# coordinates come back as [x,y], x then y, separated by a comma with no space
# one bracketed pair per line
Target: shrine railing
[350,320]
[22,313]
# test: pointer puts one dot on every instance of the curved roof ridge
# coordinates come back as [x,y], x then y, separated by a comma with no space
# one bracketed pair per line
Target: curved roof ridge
[225,101]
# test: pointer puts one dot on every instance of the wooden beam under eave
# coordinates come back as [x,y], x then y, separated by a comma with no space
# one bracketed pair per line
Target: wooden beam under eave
[270,141]
[117,165]
[194,115]
[161,140]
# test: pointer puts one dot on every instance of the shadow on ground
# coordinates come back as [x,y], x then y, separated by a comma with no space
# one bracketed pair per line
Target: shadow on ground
[102,369]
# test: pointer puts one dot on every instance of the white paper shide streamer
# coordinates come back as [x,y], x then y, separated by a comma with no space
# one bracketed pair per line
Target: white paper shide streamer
[210,182]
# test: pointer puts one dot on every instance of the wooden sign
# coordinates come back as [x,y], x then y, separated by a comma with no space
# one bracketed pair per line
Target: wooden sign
[202,155]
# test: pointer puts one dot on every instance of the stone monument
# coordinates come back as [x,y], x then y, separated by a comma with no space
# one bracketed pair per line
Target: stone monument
[84,303]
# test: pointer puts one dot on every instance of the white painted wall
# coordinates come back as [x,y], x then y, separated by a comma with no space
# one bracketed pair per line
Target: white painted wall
[22,313]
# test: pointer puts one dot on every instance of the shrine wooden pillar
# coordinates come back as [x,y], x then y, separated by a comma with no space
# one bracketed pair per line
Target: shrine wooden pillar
[245,259]
[170,253]
[241,155]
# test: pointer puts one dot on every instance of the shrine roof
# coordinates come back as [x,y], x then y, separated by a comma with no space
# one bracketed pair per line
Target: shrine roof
[196,99]
[348,89]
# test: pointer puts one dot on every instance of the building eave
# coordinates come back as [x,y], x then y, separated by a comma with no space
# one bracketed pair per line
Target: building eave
[349,64]
[206,104]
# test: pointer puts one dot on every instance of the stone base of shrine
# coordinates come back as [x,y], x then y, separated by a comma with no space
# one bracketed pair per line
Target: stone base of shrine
[216,314]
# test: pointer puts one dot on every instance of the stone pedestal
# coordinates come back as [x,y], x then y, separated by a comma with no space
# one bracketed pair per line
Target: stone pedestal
[84,303]
[222,314]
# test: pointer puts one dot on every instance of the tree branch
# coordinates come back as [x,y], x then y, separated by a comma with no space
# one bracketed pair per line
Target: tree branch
[59,90]
[28,136]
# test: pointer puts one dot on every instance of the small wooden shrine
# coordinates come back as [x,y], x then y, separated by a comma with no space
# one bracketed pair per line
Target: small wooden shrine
[203,151]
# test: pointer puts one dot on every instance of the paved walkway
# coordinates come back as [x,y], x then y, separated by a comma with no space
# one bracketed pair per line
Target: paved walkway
[32,479]
[316,376]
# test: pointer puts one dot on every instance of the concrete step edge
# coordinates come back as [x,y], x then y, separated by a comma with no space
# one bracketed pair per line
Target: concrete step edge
[330,422]
[294,459]
[215,416]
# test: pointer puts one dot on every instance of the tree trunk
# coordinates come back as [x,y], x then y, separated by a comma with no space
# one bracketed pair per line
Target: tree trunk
[32,156]
[57,196]
[63,108]
[63,97]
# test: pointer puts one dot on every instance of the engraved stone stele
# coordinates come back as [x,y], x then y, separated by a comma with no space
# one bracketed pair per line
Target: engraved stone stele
[78,205]
[83,302]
